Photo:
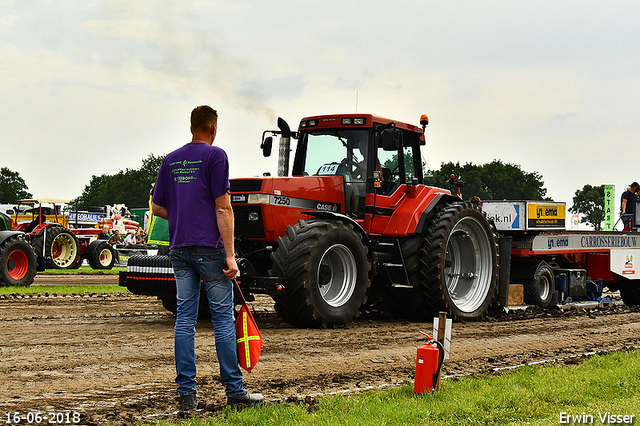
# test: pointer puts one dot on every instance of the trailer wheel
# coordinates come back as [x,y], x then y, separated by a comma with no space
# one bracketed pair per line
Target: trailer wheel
[61,247]
[459,263]
[17,262]
[630,293]
[326,273]
[539,290]
[101,255]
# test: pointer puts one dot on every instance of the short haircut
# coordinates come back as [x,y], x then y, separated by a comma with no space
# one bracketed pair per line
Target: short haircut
[203,117]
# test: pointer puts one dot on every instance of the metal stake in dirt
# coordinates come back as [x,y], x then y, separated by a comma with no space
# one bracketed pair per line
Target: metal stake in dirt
[441,330]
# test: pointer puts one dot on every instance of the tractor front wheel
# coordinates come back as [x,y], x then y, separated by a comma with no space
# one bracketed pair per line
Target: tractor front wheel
[326,271]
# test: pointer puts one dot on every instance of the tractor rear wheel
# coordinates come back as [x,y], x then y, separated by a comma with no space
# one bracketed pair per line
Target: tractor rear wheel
[61,247]
[459,263]
[101,255]
[326,273]
[17,262]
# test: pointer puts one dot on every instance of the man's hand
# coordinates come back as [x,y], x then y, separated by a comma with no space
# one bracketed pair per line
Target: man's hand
[232,268]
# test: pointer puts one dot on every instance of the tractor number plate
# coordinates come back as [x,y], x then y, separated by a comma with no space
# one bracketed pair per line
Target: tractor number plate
[328,169]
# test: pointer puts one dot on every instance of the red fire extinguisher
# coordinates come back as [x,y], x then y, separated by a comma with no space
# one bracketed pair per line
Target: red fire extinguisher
[428,364]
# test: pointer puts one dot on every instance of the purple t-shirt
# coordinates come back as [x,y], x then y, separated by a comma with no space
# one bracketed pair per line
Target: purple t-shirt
[189,181]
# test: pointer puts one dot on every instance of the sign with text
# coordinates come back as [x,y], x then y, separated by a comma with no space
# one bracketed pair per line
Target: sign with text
[86,217]
[506,215]
[525,215]
[609,207]
[545,215]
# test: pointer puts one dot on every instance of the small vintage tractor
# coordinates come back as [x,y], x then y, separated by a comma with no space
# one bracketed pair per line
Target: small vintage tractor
[57,246]
[353,226]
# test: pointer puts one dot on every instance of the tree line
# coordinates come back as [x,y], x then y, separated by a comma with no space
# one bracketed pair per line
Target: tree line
[130,186]
[491,181]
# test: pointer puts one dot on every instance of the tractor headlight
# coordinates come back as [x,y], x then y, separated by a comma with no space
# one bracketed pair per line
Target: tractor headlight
[258,199]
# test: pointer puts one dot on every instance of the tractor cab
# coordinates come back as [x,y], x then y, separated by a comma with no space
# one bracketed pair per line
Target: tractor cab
[377,159]
[373,155]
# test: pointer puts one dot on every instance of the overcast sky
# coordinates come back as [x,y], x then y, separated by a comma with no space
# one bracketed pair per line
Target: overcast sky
[93,87]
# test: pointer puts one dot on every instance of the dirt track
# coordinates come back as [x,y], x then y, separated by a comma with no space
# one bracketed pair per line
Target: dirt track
[111,357]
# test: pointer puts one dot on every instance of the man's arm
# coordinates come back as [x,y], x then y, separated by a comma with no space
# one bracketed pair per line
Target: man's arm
[224,215]
[159,211]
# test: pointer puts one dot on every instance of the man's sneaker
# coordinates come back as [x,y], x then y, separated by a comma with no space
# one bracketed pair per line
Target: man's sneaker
[246,399]
[188,402]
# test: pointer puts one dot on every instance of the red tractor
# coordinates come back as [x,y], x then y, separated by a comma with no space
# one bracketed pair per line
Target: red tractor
[57,246]
[353,225]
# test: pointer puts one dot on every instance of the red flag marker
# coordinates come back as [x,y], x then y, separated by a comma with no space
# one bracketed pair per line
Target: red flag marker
[248,336]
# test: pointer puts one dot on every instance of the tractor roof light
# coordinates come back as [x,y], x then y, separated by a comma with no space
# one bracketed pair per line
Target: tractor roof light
[358,121]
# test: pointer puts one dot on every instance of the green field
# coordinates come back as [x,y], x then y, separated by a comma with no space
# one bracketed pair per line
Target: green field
[84,270]
[63,289]
[75,289]
[541,395]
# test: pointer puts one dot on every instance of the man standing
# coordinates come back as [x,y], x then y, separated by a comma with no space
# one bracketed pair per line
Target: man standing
[627,202]
[192,193]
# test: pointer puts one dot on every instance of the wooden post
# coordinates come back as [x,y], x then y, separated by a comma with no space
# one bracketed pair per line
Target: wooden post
[442,326]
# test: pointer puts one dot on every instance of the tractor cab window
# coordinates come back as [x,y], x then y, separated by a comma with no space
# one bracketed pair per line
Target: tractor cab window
[394,172]
[343,153]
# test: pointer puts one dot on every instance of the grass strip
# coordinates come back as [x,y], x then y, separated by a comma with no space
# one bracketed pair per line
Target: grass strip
[63,289]
[83,270]
[533,395]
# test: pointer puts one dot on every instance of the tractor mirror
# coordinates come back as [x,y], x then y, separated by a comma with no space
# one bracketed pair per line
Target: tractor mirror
[390,141]
[266,145]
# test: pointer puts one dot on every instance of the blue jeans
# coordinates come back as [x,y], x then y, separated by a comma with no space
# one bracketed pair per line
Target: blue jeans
[189,264]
